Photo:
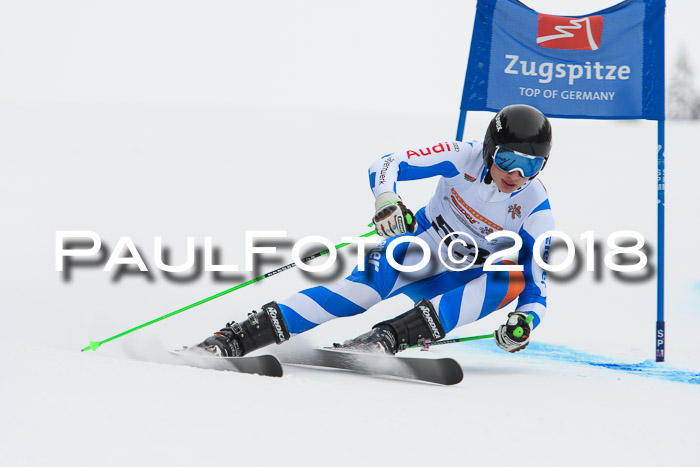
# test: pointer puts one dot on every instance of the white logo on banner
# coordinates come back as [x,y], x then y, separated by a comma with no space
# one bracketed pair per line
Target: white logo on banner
[565,33]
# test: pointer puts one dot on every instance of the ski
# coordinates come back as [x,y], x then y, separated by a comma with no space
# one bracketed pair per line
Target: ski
[440,371]
[265,365]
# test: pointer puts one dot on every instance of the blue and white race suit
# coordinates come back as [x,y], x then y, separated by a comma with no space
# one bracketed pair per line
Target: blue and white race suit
[462,203]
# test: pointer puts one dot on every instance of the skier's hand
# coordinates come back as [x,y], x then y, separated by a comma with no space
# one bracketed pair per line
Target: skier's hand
[392,217]
[515,334]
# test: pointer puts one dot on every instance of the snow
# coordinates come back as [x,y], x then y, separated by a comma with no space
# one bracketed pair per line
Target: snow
[184,119]
[70,409]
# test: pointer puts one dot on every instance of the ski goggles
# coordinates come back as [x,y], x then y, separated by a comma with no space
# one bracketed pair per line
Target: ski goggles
[509,160]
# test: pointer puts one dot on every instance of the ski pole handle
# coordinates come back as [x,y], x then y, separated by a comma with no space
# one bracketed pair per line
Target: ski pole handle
[519,331]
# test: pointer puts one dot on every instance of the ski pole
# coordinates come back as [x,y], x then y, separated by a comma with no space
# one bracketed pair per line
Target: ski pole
[450,341]
[517,332]
[94,345]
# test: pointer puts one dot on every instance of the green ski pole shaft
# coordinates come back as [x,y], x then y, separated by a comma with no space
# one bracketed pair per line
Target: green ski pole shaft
[451,341]
[94,345]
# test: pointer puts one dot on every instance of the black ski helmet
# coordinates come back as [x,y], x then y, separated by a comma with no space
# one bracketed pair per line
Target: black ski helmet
[519,127]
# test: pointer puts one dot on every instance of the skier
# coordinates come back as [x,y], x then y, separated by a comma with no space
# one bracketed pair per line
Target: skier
[485,188]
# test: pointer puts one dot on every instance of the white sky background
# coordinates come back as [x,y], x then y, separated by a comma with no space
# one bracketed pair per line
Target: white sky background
[313,54]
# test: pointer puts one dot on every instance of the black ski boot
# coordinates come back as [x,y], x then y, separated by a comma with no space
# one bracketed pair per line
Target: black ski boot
[260,329]
[417,325]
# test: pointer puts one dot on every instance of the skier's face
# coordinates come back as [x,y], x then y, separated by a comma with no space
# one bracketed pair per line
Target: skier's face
[507,182]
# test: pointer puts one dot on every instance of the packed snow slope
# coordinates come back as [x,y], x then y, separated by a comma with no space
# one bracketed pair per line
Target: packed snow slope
[213,120]
[63,408]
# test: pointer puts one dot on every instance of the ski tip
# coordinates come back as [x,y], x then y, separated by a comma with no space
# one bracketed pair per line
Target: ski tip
[272,366]
[455,374]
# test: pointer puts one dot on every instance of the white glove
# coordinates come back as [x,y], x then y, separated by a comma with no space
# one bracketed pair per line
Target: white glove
[392,217]
[515,334]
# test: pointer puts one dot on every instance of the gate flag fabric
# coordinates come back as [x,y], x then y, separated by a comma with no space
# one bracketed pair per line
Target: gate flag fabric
[605,65]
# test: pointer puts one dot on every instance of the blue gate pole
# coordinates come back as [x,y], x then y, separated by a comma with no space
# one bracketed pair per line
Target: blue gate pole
[661,180]
[460,125]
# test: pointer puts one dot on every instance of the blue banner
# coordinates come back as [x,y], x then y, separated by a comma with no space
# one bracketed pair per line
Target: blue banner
[608,64]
